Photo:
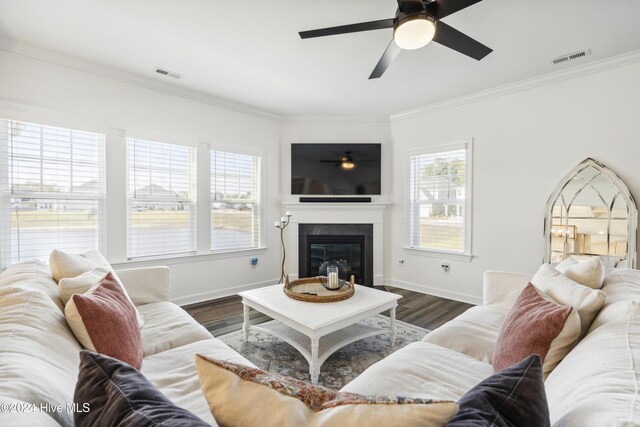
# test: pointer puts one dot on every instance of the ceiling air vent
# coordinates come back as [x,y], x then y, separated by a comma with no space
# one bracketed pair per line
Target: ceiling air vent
[571,56]
[168,73]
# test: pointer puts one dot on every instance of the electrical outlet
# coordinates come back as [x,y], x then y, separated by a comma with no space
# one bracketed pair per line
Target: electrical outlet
[400,263]
[445,267]
[254,262]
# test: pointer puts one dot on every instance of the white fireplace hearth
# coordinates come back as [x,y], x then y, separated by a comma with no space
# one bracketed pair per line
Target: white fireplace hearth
[335,213]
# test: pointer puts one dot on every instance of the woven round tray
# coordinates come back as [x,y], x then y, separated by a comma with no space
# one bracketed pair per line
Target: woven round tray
[310,289]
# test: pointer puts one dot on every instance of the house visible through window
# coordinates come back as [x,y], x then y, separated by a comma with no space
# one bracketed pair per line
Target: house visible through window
[439,186]
[52,188]
[161,199]
[235,201]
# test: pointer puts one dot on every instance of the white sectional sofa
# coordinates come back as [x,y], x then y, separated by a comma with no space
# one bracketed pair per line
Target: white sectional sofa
[39,355]
[596,384]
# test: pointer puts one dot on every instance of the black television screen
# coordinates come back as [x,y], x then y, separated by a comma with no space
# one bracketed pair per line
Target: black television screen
[335,169]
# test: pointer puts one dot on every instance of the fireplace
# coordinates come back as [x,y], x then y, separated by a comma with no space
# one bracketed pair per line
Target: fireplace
[349,244]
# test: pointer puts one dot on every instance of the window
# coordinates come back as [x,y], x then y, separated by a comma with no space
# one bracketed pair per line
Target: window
[439,208]
[161,199]
[53,190]
[235,201]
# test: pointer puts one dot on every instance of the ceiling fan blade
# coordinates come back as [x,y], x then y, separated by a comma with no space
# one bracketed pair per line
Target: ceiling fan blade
[409,5]
[387,58]
[454,39]
[351,28]
[441,8]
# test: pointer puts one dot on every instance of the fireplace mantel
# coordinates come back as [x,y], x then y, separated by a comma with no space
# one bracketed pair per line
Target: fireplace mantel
[336,213]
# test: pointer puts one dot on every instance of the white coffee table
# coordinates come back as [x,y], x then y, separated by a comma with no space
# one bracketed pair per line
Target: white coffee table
[303,324]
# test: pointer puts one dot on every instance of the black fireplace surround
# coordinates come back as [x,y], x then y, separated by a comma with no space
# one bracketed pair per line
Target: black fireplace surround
[351,244]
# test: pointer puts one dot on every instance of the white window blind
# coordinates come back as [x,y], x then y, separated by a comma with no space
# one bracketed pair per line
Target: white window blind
[438,200]
[161,199]
[53,190]
[235,201]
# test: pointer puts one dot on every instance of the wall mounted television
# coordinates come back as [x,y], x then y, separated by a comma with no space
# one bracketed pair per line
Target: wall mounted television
[335,169]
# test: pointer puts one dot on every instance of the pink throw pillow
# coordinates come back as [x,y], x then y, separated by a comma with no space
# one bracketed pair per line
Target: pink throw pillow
[104,320]
[531,326]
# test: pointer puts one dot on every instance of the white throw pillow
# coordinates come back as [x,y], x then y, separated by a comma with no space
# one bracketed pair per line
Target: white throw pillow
[589,272]
[80,284]
[64,264]
[85,270]
[565,291]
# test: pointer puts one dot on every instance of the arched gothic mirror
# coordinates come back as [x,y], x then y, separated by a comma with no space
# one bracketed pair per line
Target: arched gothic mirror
[591,213]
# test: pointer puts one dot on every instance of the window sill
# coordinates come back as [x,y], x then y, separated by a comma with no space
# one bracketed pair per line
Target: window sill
[188,258]
[455,256]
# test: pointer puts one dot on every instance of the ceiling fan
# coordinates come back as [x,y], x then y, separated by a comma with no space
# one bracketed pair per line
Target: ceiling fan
[416,23]
[345,161]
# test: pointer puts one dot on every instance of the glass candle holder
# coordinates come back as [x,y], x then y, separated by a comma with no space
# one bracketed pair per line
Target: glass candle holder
[332,277]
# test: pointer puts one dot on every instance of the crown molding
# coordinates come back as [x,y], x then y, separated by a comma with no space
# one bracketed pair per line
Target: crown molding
[106,71]
[523,85]
[336,119]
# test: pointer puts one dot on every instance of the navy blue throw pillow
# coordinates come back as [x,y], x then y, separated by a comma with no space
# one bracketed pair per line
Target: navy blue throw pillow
[514,396]
[111,393]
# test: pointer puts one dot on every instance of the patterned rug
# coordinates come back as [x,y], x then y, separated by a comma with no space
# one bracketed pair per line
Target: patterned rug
[271,354]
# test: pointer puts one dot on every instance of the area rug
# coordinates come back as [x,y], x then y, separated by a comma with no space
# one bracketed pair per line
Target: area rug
[271,354]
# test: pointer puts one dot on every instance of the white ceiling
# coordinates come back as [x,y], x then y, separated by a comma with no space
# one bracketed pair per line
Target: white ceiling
[250,52]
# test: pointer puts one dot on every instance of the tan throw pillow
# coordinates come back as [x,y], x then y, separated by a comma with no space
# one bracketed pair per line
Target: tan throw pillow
[239,395]
[77,273]
[104,321]
[565,291]
[589,272]
[536,325]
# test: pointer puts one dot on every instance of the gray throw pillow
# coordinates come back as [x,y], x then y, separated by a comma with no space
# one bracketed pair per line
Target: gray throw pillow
[514,396]
[111,393]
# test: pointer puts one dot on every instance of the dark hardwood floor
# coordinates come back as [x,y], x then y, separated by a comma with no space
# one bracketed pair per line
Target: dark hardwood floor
[225,314]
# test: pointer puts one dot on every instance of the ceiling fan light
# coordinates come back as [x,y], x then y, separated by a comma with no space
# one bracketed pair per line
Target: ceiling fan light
[347,164]
[414,31]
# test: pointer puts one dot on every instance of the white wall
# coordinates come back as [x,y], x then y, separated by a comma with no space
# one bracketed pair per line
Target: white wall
[33,89]
[524,143]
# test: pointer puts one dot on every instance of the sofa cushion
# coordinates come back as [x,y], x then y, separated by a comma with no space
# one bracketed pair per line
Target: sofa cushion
[174,373]
[117,394]
[33,275]
[473,333]
[422,370]
[67,265]
[536,325]
[104,320]
[622,284]
[610,312]
[589,272]
[161,317]
[597,383]
[16,413]
[38,352]
[238,395]
[565,291]
[506,398]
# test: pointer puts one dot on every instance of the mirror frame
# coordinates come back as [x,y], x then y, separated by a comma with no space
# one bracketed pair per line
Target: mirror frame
[632,210]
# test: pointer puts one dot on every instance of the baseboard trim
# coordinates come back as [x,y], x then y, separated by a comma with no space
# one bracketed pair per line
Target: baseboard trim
[424,289]
[221,293]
